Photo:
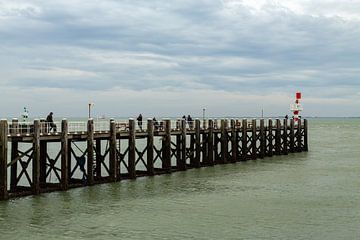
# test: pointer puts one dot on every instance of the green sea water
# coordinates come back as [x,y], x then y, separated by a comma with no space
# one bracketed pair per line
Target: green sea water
[313,195]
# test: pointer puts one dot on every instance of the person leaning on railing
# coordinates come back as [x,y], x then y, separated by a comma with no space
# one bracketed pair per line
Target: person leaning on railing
[50,122]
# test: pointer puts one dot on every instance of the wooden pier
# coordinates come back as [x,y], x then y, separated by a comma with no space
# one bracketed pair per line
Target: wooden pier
[34,160]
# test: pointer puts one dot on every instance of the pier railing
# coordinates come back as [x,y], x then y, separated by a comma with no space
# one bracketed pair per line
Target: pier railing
[84,153]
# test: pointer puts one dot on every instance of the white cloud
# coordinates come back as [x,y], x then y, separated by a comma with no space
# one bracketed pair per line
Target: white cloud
[169,51]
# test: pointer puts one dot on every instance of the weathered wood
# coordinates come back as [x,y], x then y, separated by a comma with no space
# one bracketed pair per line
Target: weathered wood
[244,141]
[278,137]
[292,136]
[262,139]
[150,147]
[306,144]
[285,138]
[132,150]
[192,146]
[14,155]
[36,158]
[253,140]
[113,166]
[3,159]
[196,160]
[210,143]
[90,152]
[270,138]
[166,163]
[98,158]
[299,136]
[257,147]
[234,144]
[64,155]
[181,165]
[43,160]
[224,142]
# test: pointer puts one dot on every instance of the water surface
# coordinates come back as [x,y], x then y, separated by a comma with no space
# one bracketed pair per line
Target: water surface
[312,195]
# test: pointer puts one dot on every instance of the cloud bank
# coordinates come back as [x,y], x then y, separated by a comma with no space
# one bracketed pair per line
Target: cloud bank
[169,58]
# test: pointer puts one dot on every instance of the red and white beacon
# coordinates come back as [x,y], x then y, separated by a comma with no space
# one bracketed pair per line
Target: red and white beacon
[296,108]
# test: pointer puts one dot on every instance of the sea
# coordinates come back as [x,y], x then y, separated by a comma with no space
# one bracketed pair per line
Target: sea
[309,195]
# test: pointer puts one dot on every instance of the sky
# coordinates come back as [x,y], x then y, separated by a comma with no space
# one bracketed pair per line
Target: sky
[174,57]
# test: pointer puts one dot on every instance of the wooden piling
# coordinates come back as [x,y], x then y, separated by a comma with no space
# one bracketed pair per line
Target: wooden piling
[98,157]
[14,155]
[262,139]
[150,147]
[234,144]
[292,136]
[299,137]
[210,143]
[43,160]
[196,161]
[224,142]
[306,144]
[64,155]
[244,140]
[3,159]
[278,137]
[90,152]
[253,140]
[166,163]
[270,139]
[132,150]
[285,138]
[113,166]
[181,165]
[36,158]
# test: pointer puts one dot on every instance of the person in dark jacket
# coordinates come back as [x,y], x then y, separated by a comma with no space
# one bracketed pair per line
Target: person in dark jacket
[139,119]
[50,122]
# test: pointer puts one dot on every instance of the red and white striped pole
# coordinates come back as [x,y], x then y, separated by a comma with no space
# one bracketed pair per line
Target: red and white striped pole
[296,108]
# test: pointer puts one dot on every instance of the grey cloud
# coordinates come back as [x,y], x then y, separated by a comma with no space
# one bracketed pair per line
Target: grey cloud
[148,45]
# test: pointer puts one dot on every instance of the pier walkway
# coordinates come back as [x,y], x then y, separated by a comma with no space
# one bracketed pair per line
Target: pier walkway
[33,159]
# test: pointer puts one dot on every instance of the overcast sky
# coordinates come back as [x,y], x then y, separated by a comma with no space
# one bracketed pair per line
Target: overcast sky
[175,57]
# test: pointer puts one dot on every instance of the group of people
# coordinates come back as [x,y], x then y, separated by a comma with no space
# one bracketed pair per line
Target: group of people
[189,120]
[157,125]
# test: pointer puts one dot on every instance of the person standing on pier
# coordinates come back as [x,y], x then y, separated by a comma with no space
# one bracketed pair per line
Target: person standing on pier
[190,121]
[50,122]
[139,119]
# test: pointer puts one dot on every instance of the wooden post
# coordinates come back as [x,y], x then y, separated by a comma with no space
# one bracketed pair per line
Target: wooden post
[150,147]
[234,145]
[196,160]
[244,140]
[306,146]
[166,163]
[192,145]
[36,158]
[14,154]
[299,136]
[270,138]
[90,152]
[224,142]
[181,165]
[210,143]
[43,159]
[285,137]
[69,158]
[262,138]
[3,159]
[254,139]
[278,137]
[132,151]
[98,157]
[292,136]
[64,155]
[113,166]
